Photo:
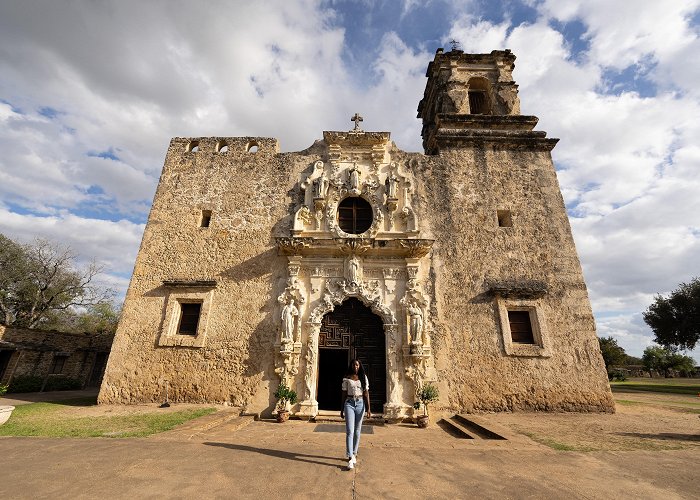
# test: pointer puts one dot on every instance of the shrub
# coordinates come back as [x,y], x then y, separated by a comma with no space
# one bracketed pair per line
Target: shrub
[284,394]
[618,375]
[3,389]
[62,384]
[427,394]
[26,383]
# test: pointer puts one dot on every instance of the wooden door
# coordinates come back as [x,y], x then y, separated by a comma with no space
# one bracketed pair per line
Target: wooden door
[354,329]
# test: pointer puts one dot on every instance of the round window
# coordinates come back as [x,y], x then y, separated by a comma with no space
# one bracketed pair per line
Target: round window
[355,215]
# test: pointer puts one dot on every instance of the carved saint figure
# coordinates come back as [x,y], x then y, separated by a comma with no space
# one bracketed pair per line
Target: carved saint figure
[289,313]
[321,186]
[416,322]
[354,270]
[355,178]
[391,183]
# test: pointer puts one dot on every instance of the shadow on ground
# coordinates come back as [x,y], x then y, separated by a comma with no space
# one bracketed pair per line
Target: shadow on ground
[300,457]
[664,435]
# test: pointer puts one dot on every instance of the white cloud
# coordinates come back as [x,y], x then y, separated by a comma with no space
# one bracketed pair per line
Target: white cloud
[126,83]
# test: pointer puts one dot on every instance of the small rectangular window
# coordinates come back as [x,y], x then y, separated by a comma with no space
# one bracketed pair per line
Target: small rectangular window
[58,364]
[189,318]
[521,327]
[504,218]
[206,218]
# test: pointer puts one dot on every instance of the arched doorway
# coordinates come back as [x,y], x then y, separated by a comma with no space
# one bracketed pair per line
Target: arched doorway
[351,330]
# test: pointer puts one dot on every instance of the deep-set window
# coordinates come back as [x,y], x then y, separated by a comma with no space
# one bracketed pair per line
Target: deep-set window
[206,218]
[189,318]
[58,364]
[521,327]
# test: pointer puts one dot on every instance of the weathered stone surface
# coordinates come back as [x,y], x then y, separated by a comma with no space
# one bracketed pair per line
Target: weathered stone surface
[32,352]
[434,247]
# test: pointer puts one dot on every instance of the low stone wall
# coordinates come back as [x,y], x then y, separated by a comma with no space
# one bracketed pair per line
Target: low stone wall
[50,353]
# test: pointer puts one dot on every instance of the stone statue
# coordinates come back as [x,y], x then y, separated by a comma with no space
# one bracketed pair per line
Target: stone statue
[355,178]
[289,313]
[354,270]
[391,183]
[321,186]
[416,322]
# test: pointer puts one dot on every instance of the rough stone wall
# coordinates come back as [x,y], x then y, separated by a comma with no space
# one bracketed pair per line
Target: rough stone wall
[34,350]
[460,192]
[250,196]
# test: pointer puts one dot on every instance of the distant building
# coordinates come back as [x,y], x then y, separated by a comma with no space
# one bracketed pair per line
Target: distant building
[455,266]
[50,354]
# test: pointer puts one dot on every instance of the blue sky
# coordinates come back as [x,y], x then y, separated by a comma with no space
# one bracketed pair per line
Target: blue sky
[90,95]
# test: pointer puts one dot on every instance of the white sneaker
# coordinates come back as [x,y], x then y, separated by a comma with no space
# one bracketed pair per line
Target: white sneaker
[351,464]
[354,459]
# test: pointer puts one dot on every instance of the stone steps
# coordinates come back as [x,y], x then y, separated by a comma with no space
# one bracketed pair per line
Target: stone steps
[336,419]
[467,426]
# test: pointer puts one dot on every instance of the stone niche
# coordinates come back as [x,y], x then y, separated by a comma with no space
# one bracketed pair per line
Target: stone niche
[356,235]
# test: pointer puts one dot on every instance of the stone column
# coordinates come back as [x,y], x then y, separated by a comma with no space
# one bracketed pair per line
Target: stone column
[309,407]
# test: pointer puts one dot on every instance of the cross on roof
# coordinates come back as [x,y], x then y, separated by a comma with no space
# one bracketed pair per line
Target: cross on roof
[357,119]
[455,44]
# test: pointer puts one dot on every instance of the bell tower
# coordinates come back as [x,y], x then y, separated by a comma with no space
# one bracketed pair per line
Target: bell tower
[470,98]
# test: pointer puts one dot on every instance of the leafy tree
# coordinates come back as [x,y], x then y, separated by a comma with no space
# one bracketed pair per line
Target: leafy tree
[102,317]
[40,281]
[664,359]
[675,320]
[613,354]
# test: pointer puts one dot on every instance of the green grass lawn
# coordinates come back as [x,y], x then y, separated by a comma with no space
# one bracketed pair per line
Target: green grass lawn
[54,420]
[689,386]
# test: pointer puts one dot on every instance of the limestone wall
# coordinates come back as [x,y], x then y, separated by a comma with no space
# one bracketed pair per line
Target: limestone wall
[460,192]
[248,195]
[234,267]
[33,352]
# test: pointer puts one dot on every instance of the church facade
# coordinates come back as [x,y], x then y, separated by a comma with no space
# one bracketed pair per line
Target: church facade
[455,266]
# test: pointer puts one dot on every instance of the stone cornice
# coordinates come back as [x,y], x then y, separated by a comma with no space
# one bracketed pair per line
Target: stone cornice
[355,138]
[175,283]
[367,247]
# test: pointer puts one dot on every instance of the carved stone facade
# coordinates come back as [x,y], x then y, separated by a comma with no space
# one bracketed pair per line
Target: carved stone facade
[450,250]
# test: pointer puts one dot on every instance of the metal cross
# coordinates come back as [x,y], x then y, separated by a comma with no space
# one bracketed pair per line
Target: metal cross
[357,119]
[455,44]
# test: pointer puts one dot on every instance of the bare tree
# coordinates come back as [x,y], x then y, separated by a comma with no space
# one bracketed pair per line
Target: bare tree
[41,279]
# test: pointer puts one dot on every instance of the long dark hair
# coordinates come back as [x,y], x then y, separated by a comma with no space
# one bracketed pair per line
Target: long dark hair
[360,373]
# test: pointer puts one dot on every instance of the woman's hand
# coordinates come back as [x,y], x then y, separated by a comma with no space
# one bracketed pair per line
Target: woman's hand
[369,414]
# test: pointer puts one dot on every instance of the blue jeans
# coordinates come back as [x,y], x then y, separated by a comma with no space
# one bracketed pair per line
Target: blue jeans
[354,411]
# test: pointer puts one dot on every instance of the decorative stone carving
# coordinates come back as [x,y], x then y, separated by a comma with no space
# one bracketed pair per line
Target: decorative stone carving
[336,291]
[354,180]
[354,270]
[292,246]
[321,184]
[415,322]
[302,217]
[334,265]
[417,248]
[287,362]
[391,272]
[311,362]
[391,185]
[290,313]
[353,246]
[411,219]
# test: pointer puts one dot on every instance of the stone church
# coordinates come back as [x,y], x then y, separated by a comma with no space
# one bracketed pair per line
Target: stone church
[455,266]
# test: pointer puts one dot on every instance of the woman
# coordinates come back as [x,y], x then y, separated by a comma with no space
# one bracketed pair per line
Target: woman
[355,400]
